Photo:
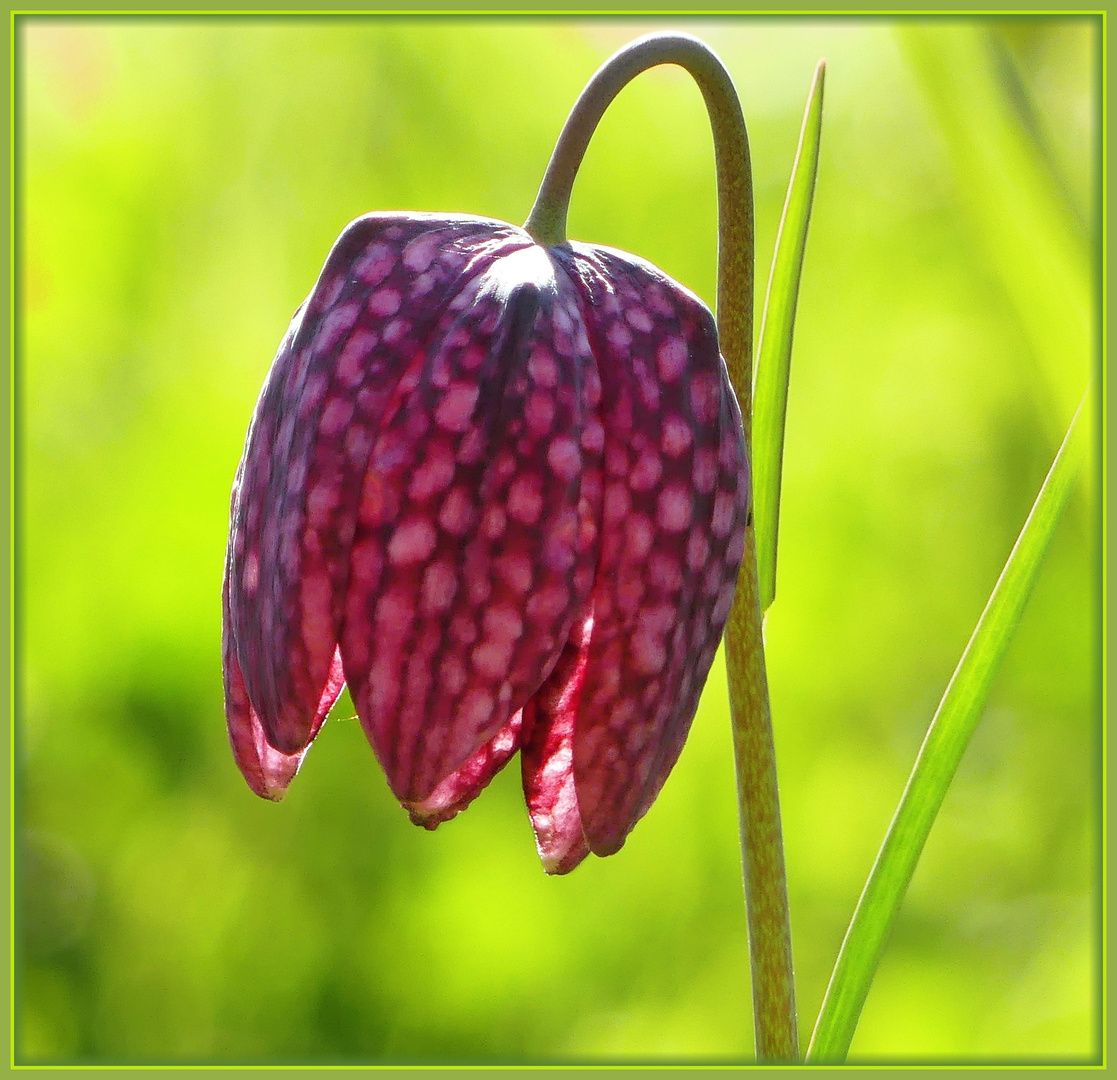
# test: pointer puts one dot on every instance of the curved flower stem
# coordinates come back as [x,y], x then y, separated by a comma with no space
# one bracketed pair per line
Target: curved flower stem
[769,922]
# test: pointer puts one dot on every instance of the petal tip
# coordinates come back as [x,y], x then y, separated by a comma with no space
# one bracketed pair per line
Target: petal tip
[456,791]
[558,863]
[609,844]
[429,817]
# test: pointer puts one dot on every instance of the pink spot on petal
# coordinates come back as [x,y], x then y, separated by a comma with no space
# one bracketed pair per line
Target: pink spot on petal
[472,447]
[617,503]
[656,300]
[412,542]
[562,318]
[697,550]
[354,357]
[384,302]
[539,412]
[502,623]
[472,358]
[525,503]
[640,535]
[548,602]
[375,265]
[493,522]
[455,410]
[339,321]
[452,675]
[671,358]
[394,616]
[331,290]
[665,571]
[423,284]
[479,587]
[705,472]
[676,438]
[593,437]
[322,500]
[440,583]
[630,591]
[658,619]
[434,475]
[396,330]
[542,368]
[616,460]
[730,453]
[463,629]
[564,458]
[457,512]
[476,708]
[250,578]
[492,658]
[366,562]
[639,319]
[337,413]
[619,336]
[419,254]
[647,472]
[383,683]
[722,520]
[515,570]
[309,400]
[705,398]
[674,509]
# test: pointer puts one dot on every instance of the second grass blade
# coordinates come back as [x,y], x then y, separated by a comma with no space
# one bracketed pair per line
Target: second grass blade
[773,355]
[949,734]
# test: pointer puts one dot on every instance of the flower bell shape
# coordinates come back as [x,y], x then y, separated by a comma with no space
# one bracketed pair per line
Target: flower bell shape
[501,490]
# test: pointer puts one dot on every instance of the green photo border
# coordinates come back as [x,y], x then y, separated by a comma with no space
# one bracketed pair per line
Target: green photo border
[570,10]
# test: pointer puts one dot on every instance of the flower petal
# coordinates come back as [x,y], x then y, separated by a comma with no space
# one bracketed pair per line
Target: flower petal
[267,770]
[547,759]
[475,542]
[674,511]
[460,788]
[294,506]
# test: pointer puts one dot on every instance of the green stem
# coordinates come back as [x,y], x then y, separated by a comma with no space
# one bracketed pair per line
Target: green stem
[769,922]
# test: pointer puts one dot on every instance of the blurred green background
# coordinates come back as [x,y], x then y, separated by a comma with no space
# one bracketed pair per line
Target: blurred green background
[180,184]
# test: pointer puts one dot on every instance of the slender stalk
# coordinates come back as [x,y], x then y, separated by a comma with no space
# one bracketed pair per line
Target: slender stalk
[769,922]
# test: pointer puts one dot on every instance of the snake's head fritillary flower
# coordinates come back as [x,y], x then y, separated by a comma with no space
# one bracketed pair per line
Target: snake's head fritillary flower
[501,491]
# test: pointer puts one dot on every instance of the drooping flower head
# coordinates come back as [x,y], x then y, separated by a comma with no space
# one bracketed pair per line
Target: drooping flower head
[501,491]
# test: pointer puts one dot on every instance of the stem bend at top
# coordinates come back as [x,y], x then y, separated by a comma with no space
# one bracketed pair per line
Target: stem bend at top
[773,981]
[547,221]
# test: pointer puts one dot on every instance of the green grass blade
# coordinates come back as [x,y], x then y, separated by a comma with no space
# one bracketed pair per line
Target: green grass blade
[950,731]
[773,355]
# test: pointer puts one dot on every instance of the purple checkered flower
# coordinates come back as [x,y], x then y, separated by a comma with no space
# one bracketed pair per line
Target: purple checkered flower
[501,491]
